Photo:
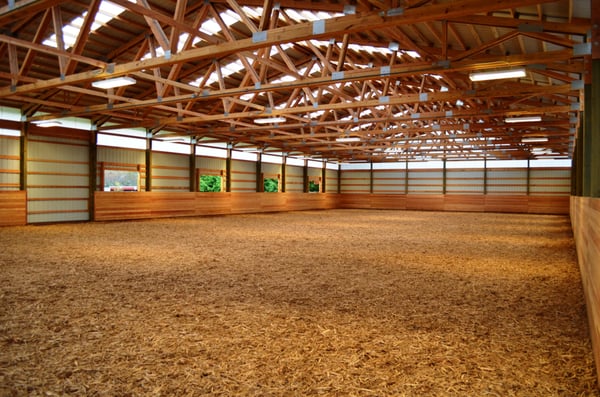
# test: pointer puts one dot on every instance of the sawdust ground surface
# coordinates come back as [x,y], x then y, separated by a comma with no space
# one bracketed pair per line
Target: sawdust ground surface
[336,303]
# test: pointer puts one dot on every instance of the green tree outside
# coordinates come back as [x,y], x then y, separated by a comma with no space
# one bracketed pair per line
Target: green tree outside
[271,185]
[210,183]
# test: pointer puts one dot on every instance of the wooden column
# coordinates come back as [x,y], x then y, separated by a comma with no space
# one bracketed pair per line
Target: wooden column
[586,144]
[484,175]
[324,177]
[148,161]
[577,169]
[260,184]
[371,177]
[305,177]
[283,168]
[528,177]
[228,169]
[339,178]
[192,171]
[93,173]
[406,176]
[444,176]
[23,153]
[591,178]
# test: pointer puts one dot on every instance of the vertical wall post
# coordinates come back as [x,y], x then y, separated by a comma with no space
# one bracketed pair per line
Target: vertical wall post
[339,178]
[406,176]
[228,169]
[283,168]
[324,177]
[592,140]
[192,165]
[260,187]
[444,176]
[148,161]
[305,176]
[371,177]
[23,153]
[577,170]
[528,177]
[93,172]
[586,144]
[485,175]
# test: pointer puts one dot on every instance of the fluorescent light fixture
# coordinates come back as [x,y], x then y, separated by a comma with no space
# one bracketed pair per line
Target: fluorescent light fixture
[498,74]
[348,139]
[47,123]
[113,83]
[270,120]
[526,119]
[533,139]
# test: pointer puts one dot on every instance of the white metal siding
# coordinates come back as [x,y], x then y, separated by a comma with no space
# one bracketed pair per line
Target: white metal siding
[57,180]
[9,163]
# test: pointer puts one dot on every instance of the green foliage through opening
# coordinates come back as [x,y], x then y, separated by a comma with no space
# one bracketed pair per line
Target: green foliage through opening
[271,185]
[210,183]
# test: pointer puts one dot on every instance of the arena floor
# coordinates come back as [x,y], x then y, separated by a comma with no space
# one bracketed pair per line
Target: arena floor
[340,303]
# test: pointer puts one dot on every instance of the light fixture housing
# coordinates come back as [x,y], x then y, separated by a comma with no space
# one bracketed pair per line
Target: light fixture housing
[534,139]
[120,81]
[525,119]
[498,74]
[270,120]
[348,139]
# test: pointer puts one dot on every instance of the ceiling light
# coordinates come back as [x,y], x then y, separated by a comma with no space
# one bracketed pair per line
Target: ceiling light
[527,119]
[270,120]
[113,83]
[498,74]
[348,139]
[532,139]
[47,123]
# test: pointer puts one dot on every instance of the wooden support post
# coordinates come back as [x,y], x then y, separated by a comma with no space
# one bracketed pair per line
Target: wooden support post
[371,177]
[586,135]
[577,170]
[23,153]
[323,177]
[93,173]
[192,167]
[305,177]
[484,175]
[260,183]
[444,176]
[283,173]
[228,169]
[339,178]
[528,176]
[406,177]
[592,140]
[148,161]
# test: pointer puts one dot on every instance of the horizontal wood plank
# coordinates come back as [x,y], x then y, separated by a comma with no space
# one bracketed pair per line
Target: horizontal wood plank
[13,208]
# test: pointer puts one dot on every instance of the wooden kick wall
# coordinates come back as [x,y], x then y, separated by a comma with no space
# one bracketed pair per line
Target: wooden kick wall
[585,219]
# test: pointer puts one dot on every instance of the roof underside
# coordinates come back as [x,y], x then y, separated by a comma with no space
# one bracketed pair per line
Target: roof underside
[392,74]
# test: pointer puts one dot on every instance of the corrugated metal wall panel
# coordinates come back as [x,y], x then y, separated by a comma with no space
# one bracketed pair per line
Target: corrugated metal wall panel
[503,181]
[293,179]
[389,181]
[9,163]
[355,181]
[546,181]
[465,181]
[271,170]
[57,180]
[331,185]
[243,176]
[210,163]
[426,181]
[170,172]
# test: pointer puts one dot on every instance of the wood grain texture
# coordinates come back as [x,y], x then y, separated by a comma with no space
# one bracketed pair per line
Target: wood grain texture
[13,208]
[585,219]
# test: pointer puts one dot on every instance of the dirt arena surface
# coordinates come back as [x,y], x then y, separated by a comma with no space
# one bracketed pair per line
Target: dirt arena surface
[334,303]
